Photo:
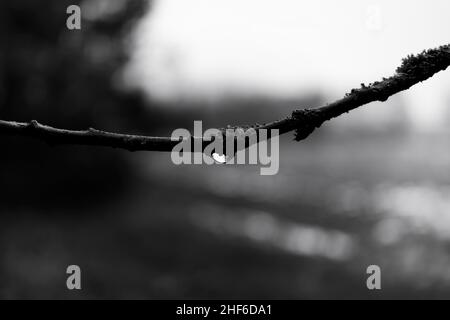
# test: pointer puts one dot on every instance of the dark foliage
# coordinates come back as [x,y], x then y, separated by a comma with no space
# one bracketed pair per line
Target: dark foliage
[64,78]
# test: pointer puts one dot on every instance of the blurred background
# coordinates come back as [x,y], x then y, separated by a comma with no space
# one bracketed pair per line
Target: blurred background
[372,187]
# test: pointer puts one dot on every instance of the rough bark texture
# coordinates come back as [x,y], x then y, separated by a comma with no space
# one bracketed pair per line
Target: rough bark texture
[414,69]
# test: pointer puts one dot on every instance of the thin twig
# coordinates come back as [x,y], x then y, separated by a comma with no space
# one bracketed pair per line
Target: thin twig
[414,69]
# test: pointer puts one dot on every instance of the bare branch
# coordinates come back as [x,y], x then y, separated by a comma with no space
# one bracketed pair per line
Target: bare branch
[414,69]
[93,137]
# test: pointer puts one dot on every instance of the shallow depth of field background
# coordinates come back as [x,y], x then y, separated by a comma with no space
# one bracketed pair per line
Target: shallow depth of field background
[372,187]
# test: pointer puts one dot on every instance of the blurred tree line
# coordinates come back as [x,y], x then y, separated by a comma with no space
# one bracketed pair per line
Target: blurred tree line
[65,78]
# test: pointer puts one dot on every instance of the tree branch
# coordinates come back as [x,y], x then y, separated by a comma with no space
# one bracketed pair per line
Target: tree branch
[414,69]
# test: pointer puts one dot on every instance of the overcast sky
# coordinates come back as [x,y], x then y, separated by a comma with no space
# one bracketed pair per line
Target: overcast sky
[288,47]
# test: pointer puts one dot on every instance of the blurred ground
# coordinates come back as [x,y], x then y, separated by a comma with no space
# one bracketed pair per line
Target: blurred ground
[338,204]
[365,189]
